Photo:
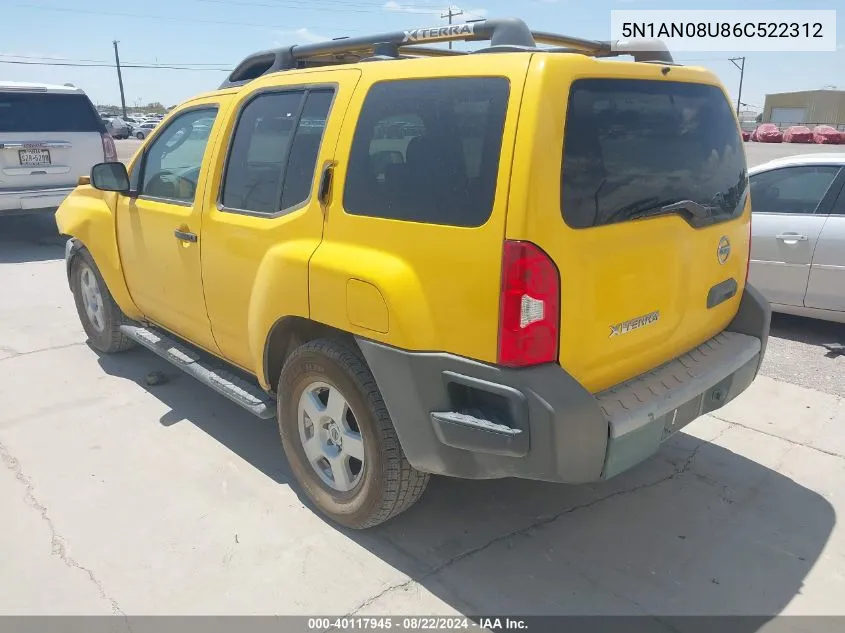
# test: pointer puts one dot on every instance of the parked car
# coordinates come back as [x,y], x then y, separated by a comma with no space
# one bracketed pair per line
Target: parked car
[143,130]
[798,134]
[798,234]
[50,135]
[746,135]
[826,134]
[118,128]
[472,298]
[767,133]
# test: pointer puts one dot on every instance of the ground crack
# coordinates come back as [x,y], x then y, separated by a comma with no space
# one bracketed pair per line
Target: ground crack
[779,437]
[534,525]
[57,542]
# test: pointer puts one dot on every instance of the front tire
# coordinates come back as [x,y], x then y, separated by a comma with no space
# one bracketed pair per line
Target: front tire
[101,318]
[139,136]
[339,438]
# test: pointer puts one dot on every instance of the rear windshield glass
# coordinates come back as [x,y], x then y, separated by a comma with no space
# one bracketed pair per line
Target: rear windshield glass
[634,146]
[34,112]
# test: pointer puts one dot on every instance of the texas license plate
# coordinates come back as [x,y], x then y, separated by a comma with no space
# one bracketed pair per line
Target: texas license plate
[34,157]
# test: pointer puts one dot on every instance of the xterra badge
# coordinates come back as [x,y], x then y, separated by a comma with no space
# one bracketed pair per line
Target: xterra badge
[633,324]
[438,33]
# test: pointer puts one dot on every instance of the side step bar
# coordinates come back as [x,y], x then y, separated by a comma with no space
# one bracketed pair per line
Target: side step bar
[248,395]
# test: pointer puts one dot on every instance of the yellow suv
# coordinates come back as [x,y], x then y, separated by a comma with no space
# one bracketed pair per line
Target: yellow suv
[520,261]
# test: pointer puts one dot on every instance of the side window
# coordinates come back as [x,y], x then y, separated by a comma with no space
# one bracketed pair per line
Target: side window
[273,156]
[791,189]
[172,162]
[427,150]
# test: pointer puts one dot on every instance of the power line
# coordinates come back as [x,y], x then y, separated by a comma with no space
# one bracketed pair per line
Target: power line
[164,18]
[106,65]
[351,7]
[105,61]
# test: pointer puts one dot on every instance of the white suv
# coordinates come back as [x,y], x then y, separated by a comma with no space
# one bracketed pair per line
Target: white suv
[49,137]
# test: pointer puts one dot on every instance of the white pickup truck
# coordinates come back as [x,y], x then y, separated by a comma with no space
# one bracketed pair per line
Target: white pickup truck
[49,137]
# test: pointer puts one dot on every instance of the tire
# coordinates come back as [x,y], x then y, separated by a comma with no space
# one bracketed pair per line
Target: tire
[101,318]
[139,136]
[385,483]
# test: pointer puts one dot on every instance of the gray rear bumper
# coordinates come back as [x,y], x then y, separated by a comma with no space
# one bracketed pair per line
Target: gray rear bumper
[459,417]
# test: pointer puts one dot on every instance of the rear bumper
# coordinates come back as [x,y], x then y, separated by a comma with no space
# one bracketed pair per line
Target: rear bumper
[14,201]
[462,418]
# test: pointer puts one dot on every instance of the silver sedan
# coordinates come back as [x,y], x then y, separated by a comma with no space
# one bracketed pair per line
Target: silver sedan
[798,234]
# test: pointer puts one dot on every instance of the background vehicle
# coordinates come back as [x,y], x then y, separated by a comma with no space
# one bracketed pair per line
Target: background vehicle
[118,128]
[826,134]
[49,137]
[798,134]
[403,256]
[798,244]
[767,133]
[142,130]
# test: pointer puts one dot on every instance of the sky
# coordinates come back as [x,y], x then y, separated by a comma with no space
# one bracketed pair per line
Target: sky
[42,39]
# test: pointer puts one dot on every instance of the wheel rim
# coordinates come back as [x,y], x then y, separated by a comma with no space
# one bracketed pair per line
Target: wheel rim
[92,299]
[330,436]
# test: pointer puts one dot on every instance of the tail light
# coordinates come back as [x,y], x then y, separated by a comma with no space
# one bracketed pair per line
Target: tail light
[109,149]
[529,306]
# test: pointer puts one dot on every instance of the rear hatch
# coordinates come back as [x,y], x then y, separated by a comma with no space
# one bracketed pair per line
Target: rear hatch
[47,139]
[649,226]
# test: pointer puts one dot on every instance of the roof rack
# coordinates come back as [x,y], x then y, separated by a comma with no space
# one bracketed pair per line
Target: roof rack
[504,35]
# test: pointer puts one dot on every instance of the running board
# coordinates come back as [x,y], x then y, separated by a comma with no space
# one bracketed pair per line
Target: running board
[240,391]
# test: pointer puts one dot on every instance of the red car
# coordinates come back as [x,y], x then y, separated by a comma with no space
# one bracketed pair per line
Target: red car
[825,134]
[767,133]
[746,136]
[798,134]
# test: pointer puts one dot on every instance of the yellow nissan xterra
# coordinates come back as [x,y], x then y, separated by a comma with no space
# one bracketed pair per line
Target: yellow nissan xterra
[528,260]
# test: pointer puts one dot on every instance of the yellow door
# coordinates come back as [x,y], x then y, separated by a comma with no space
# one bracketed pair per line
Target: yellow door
[263,220]
[159,225]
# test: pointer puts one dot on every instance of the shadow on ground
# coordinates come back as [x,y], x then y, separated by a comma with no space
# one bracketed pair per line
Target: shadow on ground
[30,238]
[697,530]
[806,330]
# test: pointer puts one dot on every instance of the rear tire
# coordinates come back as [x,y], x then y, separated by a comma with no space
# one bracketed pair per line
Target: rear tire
[326,377]
[139,136]
[101,318]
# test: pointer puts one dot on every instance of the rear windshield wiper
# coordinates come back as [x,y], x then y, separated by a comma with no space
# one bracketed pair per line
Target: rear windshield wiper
[695,209]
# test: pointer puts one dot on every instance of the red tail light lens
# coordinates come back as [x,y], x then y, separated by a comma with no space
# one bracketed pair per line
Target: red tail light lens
[109,150]
[529,306]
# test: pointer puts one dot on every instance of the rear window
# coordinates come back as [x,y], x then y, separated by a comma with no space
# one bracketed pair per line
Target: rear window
[427,150]
[47,112]
[633,146]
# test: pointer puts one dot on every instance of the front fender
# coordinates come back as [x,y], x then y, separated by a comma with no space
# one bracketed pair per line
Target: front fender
[87,216]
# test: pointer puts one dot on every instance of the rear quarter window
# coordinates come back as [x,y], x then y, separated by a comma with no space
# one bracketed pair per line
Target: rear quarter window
[635,145]
[427,150]
[47,112]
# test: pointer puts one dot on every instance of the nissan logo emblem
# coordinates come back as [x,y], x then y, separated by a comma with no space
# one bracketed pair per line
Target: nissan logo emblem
[724,250]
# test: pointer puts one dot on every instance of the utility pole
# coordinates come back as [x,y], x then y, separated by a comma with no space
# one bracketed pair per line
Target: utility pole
[741,67]
[119,79]
[452,13]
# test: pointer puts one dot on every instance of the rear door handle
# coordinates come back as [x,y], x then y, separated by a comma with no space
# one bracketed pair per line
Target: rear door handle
[185,236]
[791,237]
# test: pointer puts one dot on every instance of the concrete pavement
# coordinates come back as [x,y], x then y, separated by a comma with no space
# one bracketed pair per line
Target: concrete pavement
[123,498]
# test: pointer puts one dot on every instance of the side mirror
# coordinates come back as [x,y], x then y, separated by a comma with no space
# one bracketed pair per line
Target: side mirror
[110,177]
